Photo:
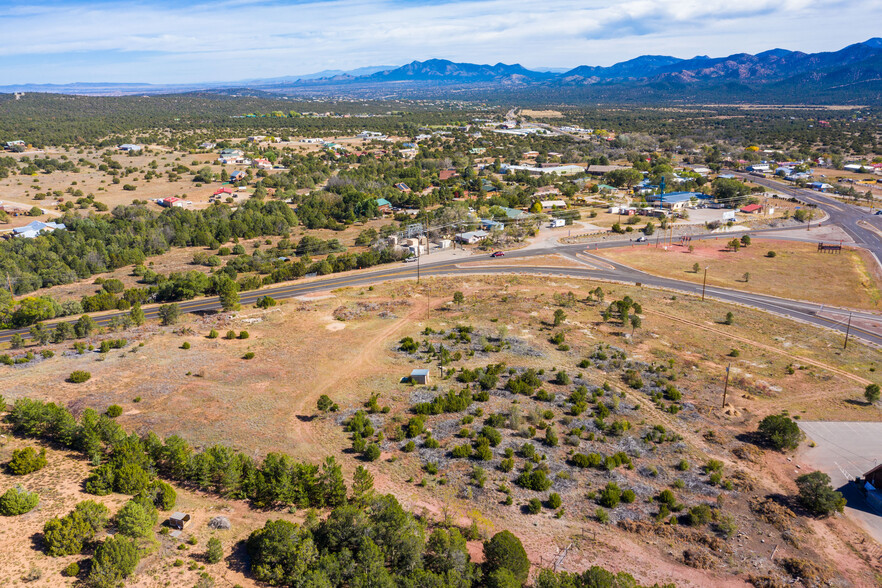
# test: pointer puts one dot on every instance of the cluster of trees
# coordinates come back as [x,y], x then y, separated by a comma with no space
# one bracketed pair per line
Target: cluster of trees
[100,243]
[130,464]
[379,544]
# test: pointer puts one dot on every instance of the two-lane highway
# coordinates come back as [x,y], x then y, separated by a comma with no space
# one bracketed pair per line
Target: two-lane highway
[600,269]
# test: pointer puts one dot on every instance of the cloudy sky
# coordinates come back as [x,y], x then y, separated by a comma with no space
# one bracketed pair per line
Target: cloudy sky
[180,41]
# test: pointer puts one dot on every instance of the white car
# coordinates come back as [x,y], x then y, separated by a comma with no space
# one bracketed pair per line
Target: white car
[641,239]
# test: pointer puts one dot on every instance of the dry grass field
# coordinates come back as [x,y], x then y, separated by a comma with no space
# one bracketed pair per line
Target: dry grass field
[345,344]
[850,279]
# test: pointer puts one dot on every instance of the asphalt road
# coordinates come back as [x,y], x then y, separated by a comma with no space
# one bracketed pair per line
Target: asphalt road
[603,269]
[863,227]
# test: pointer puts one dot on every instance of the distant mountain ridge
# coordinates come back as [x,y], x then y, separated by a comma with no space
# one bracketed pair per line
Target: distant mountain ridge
[849,74]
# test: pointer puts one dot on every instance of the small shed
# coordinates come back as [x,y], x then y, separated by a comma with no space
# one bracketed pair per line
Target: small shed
[420,376]
[179,520]
[874,476]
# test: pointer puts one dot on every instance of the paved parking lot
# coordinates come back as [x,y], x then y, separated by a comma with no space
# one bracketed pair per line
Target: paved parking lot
[844,451]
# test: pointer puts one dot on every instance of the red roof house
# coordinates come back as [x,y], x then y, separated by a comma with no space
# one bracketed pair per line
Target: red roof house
[751,209]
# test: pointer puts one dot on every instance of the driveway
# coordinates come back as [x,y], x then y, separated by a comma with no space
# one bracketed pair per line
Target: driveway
[844,451]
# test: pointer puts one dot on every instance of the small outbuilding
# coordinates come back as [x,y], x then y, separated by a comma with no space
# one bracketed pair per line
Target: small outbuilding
[420,376]
[179,520]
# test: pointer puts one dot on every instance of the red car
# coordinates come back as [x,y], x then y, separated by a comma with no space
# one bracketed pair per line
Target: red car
[497,254]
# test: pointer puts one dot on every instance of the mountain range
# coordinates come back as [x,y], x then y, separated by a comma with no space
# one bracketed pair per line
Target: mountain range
[851,74]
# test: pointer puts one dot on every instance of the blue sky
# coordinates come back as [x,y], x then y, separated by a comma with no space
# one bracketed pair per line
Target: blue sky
[62,41]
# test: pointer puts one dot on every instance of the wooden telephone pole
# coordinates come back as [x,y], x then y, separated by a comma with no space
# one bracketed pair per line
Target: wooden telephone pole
[726,385]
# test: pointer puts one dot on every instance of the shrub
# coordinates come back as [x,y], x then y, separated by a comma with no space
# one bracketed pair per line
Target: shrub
[230,335]
[372,452]
[817,496]
[114,410]
[185,345]
[505,552]
[17,501]
[115,559]
[610,495]
[535,480]
[554,500]
[730,318]
[212,334]
[871,393]
[781,432]
[27,460]
[493,436]
[771,254]
[169,314]
[214,552]
[78,377]
[72,570]
[265,302]
[135,519]
[534,506]
[243,334]
[408,344]
[699,515]
[462,451]
[248,355]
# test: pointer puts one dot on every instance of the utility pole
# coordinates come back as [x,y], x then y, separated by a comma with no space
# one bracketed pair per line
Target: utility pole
[418,263]
[704,283]
[847,331]
[726,385]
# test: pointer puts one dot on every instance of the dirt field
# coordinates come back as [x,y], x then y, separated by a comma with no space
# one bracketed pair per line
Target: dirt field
[345,344]
[850,279]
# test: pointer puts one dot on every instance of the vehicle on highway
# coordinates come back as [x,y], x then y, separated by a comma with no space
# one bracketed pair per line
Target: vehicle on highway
[497,254]
[641,239]
[410,259]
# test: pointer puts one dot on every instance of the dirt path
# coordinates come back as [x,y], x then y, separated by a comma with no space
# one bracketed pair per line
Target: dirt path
[303,430]
[705,327]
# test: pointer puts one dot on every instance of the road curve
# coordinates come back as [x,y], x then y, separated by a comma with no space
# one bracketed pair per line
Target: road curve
[805,312]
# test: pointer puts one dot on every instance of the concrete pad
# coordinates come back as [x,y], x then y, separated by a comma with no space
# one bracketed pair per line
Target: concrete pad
[844,451]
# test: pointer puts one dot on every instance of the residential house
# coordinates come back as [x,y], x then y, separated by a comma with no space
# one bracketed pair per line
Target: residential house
[751,209]
[514,213]
[34,229]
[128,147]
[552,204]
[171,201]
[384,205]
[367,135]
[401,186]
[262,164]
[446,174]
[237,176]
[599,170]
[472,237]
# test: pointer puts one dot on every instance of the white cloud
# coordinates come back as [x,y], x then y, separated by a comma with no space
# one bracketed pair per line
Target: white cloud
[247,39]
